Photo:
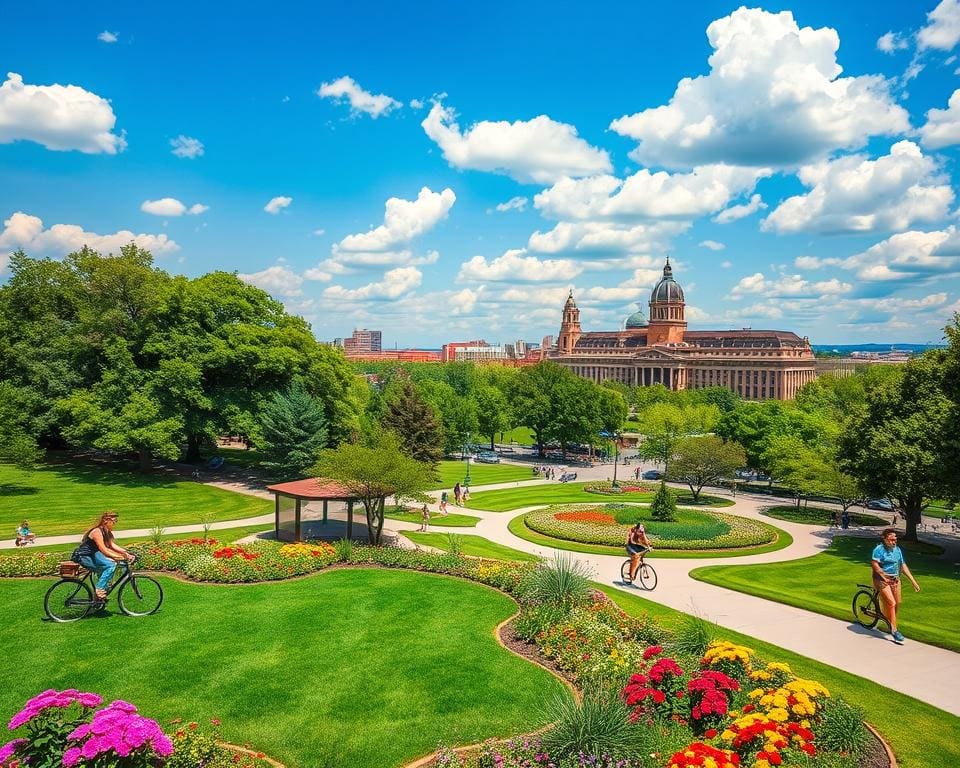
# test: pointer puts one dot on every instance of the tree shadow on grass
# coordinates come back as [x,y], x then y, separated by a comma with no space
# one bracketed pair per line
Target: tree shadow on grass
[116,475]
[15,489]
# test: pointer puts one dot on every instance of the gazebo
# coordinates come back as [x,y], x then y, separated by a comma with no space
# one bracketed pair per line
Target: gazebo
[293,497]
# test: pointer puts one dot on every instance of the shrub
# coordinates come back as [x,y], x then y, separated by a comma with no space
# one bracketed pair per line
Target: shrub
[455,544]
[693,637]
[343,549]
[841,728]
[598,724]
[534,619]
[664,506]
[561,580]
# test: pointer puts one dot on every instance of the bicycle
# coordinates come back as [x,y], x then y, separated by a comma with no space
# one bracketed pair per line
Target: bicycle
[72,598]
[646,575]
[866,607]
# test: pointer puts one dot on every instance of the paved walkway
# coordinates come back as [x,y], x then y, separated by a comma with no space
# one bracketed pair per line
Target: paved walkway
[925,672]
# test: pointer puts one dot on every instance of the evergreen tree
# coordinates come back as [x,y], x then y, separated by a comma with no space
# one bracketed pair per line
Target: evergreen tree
[294,431]
[664,506]
[414,422]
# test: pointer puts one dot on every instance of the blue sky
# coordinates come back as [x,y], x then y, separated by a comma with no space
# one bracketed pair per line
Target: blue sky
[447,172]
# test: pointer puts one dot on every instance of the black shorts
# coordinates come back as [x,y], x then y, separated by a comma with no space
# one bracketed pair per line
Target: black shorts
[637,549]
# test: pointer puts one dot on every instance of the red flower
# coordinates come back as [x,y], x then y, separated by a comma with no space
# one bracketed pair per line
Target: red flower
[710,733]
[653,650]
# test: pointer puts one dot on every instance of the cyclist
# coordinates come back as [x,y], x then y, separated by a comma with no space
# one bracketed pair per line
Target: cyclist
[637,546]
[887,563]
[100,553]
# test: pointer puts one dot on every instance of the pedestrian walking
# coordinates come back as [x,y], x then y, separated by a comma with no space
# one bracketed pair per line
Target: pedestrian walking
[458,495]
[834,519]
[636,473]
[425,515]
[845,520]
[443,503]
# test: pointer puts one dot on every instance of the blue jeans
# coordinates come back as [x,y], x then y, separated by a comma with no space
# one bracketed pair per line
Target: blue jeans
[102,565]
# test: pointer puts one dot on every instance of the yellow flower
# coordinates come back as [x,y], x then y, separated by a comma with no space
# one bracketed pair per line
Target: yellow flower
[778,715]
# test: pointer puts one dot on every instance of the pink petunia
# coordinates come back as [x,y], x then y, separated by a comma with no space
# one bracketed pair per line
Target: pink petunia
[71,757]
[9,748]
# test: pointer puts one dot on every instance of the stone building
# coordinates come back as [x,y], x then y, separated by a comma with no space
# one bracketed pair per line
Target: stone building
[758,365]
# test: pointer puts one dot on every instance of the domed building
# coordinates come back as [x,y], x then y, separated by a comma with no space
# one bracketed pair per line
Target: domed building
[758,365]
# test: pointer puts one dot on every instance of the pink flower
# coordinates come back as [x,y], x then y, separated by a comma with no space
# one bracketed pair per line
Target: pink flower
[9,748]
[71,757]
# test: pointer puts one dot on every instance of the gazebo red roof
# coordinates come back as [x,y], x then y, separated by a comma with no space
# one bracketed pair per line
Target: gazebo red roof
[314,488]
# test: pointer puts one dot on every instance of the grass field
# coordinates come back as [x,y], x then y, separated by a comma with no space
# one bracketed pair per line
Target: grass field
[357,667]
[819,516]
[825,583]
[920,734]
[453,472]
[450,520]
[68,498]
[475,546]
[505,499]
[225,535]
[518,528]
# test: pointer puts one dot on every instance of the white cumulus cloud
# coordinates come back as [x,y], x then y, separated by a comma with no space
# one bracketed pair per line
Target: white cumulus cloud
[395,283]
[513,204]
[773,96]
[170,206]
[854,194]
[186,146]
[735,212]
[646,195]
[403,221]
[942,128]
[942,30]
[794,286]
[360,100]
[277,204]
[891,42]
[713,245]
[276,280]
[60,117]
[24,231]
[108,37]
[538,151]
[908,255]
[516,266]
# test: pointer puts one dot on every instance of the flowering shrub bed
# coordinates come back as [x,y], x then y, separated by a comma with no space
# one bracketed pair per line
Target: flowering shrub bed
[66,728]
[609,489]
[609,524]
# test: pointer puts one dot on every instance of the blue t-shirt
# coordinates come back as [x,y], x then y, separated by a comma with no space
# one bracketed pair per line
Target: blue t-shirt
[890,559]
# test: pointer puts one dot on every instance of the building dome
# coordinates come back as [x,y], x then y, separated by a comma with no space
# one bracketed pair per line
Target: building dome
[636,320]
[667,289]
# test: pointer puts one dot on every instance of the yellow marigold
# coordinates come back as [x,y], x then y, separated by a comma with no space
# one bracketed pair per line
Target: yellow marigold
[778,715]
[756,692]
[779,700]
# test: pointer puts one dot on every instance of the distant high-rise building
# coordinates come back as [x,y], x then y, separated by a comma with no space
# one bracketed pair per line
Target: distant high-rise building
[363,341]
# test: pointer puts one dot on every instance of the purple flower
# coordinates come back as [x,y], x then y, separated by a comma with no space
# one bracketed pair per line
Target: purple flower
[71,757]
[9,748]
[79,732]
[89,700]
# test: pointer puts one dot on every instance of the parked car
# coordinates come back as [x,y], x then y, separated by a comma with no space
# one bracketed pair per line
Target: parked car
[653,474]
[884,505]
[488,457]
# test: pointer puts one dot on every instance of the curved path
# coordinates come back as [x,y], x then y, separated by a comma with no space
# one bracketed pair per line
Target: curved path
[934,673]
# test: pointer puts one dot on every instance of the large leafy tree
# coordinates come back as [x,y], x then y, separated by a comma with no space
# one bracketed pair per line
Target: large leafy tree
[662,425]
[492,409]
[294,431]
[17,443]
[531,399]
[413,420]
[373,470]
[698,461]
[896,445]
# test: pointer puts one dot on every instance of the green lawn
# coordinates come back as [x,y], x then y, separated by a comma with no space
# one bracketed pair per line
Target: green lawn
[453,472]
[505,499]
[355,667]
[518,528]
[921,735]
[825,583]
[239,457]
[68,498]
[226,535]
[519,435]
[819,516]
[450,520]
[475,546]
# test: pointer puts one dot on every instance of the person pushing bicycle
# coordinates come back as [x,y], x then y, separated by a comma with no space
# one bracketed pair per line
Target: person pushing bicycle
[637,546]
[100,553]
[887,564]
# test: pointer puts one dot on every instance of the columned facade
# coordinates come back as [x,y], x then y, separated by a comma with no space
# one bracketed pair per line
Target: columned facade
[757,365]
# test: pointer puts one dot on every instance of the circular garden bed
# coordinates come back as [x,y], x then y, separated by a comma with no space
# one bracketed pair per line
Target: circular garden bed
[609,524]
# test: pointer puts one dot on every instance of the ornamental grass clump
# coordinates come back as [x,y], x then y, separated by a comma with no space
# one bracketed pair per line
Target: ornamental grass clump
[561,580]
[599,724]
[841,728]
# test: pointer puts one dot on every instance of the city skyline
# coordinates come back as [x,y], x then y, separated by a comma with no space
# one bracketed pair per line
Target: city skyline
[452,173]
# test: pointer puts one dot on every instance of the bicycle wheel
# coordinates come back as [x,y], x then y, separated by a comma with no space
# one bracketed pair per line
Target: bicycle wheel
[647,576]
[68,600]
[865,611]
[625,572]
[140,596]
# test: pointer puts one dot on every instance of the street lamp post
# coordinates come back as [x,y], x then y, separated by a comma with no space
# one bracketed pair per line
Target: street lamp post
[466,453]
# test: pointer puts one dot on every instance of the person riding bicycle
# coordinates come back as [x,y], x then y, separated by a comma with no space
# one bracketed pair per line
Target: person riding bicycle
[887,564]
[100,553]
[637,546]
[24,534]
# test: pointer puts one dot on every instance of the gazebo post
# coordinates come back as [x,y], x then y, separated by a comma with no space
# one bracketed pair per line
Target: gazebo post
[296,529]
[349,518]
[324,511]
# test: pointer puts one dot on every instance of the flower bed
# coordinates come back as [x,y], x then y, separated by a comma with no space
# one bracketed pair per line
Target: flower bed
[608,488]
[68,728]
[609,524]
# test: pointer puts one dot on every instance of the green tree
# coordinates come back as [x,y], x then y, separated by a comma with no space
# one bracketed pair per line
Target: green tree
[896,445]
[17,444]
[663,426]
[530,394]
[294,431]
[373,470]
[664,505]
[492,409]
[410,417]
[698,461]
